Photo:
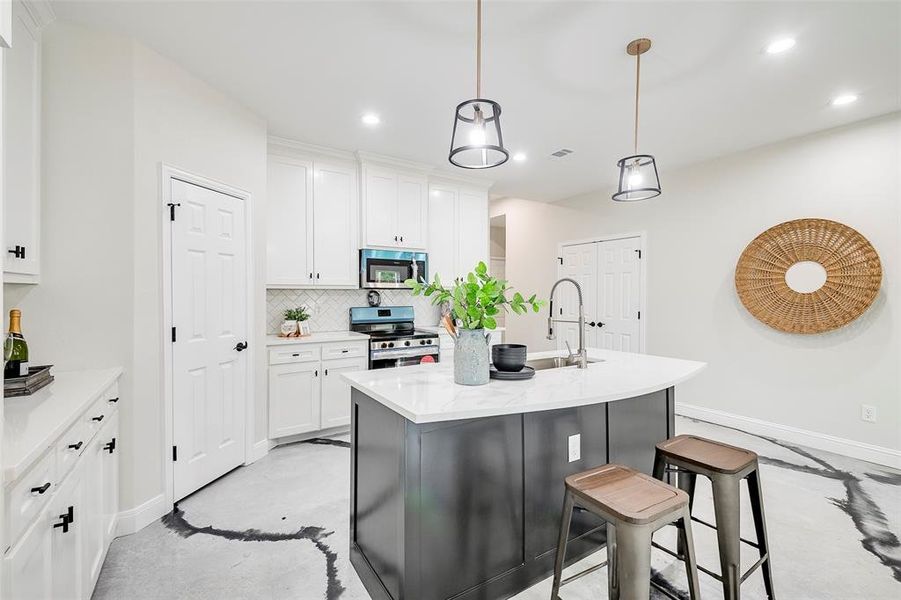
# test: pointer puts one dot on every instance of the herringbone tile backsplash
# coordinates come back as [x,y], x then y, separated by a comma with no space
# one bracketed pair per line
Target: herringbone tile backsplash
[329,309]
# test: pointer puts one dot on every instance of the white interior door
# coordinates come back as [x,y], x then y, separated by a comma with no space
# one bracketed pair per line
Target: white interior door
[619,295]
[209,312]
[580,262]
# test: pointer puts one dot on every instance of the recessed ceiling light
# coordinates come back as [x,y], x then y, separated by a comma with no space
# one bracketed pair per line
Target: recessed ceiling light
[780,45]
[844,99]
[519,156]
[370,119]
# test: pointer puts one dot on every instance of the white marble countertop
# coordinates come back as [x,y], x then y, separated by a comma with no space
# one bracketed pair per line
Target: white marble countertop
[427,393]
[318,337]
[32,423]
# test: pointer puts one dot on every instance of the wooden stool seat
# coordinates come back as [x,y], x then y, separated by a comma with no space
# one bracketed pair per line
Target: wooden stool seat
[630,496]
[708,454]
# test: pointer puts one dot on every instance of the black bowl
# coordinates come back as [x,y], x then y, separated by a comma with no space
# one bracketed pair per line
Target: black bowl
[508,357]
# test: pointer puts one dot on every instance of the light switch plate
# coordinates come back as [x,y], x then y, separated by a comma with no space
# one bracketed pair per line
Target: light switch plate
[575,447]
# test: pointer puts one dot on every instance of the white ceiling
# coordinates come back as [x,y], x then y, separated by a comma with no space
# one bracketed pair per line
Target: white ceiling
[558,69]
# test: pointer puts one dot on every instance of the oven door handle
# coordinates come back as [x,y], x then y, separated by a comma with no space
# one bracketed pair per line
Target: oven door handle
[403,353]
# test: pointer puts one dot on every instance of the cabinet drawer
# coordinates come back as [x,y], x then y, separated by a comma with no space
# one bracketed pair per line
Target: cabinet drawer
[292,354]
[343,350]
[70,446]
[28,496]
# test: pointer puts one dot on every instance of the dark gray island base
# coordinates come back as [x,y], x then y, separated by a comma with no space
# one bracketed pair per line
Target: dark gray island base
[470,509]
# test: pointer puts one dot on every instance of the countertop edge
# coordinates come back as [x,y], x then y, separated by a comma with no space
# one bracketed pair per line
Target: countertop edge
[14,472]
[273,340]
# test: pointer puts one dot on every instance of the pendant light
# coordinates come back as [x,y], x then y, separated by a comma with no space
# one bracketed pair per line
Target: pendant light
[638,178]
[476,142]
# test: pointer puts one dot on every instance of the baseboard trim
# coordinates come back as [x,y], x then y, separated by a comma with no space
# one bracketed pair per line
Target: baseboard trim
[812,439]
[302,437]
[139,517]
[260,449]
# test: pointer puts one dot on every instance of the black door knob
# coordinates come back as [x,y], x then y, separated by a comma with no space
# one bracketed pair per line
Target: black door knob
[600,324]
[241,347]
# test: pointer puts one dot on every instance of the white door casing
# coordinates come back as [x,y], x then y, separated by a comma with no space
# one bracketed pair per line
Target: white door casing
[209,314]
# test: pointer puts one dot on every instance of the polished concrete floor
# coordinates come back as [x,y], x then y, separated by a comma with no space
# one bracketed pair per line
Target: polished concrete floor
[279,529]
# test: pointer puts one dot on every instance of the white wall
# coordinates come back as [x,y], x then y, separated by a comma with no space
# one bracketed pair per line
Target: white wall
[113,110]
[698,228]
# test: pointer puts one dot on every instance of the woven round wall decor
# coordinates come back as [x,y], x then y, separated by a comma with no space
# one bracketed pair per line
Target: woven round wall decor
[853,274]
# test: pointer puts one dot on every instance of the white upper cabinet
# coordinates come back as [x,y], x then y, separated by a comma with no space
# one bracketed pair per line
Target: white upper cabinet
[21,140]
[289,240]
[334,234]
[458,230]
[395,208]
[312,216]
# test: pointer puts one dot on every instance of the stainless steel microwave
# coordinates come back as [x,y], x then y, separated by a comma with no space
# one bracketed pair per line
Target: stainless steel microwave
[391,268]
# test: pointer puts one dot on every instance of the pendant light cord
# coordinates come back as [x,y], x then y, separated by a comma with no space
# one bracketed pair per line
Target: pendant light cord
[478,48]
[637,82]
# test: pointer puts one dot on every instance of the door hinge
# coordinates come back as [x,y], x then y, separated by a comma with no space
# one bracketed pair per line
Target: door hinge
[172,206]
[639,254]
[560,258]
[173,335]
[174,453]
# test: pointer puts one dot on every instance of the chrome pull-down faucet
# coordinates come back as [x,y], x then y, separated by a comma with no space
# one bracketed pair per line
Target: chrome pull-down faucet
[582,356]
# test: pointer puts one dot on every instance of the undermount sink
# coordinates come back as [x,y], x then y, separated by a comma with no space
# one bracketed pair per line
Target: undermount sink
[556,362]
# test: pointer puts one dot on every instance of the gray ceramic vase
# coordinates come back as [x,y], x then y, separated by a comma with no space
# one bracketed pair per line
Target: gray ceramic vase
[471,357]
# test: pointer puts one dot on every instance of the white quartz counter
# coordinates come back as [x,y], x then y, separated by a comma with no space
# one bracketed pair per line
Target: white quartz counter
[32,422]
[319,337]
[427,393]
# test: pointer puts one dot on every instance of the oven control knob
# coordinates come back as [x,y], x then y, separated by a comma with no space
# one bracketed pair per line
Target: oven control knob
[407,343]
[391,344]
[384,345]
[422,342]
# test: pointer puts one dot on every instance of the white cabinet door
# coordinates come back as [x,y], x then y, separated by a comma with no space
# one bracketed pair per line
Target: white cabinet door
[66,538]
[412,207]
[380,208]
[473,232]
[6,23]
[28,570]
[110,492]
[336,392]
[293,399]
[334,225]
[442,233]
[91,516]
[21,160]
[289,217]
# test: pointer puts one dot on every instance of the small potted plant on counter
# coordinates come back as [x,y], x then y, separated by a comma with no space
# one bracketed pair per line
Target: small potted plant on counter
[295,322]
[475,301]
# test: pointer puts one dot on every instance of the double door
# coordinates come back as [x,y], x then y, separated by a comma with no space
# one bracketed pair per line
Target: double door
[609,272]
[311,223]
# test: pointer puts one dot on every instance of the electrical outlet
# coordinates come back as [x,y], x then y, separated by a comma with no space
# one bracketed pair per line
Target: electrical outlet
[868,413]
[575,447]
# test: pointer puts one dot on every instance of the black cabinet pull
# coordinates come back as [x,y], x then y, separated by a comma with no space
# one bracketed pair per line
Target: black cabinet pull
[64,524]
[326,372]
[241,347]
[18,251]
[345,351]
[98,419]
[76,446]
[395,238]
[41,489]
[401,238]
[111,446]
[316,373]
[311,276]
[296,354]
[591,324]
[600,324]
[113,400]
[317,275]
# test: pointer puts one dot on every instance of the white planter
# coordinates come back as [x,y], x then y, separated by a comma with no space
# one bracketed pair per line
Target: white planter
[288,328]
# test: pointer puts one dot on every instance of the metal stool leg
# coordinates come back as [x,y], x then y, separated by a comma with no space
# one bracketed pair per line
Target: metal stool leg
[612,575]
[691,563]
[659,466]
[687,482]
[633,562]
[727,507]
[565,520]
[756,494]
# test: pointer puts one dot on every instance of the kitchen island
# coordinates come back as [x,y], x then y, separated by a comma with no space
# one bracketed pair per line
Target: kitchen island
[456,491]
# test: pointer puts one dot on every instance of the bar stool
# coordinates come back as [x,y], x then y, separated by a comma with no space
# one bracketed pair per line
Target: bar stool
[634,506]
[725,466]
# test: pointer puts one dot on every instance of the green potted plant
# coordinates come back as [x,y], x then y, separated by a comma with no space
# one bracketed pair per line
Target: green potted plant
[475,302]
[294,322]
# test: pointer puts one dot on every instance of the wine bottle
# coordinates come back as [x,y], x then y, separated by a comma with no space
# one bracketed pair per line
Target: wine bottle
[15,350]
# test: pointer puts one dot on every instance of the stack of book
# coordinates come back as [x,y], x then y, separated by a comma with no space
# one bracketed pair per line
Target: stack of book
[37,378]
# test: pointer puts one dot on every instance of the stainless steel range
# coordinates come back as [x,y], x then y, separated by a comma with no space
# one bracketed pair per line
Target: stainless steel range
[394,340]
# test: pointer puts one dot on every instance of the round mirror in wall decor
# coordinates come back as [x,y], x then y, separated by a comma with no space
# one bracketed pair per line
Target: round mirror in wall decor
[808,276]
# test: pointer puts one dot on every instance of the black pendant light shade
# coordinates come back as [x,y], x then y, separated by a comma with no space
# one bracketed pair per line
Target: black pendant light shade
[477,141]
[638,178]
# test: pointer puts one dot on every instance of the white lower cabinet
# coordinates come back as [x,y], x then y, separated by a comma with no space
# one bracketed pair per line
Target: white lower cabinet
[61,549]
[309,396]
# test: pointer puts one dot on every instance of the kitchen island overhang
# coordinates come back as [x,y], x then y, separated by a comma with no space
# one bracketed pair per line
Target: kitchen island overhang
[456,491]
